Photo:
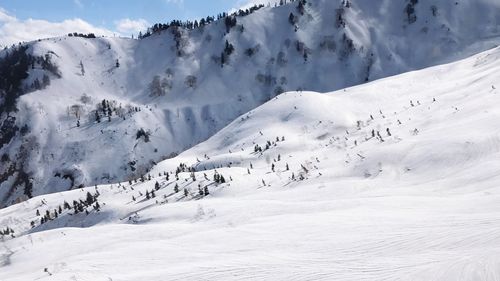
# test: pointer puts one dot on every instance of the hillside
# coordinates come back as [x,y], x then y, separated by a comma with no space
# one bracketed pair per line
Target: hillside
[176,88]
[395,179]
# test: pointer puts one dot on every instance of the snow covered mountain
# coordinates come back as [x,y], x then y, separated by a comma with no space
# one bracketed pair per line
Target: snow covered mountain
[396,179]
[161,95]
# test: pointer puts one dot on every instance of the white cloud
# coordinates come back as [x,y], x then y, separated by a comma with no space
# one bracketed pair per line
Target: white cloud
[127,26]
[177,2]
[13,30]
[78,3]
[5,17]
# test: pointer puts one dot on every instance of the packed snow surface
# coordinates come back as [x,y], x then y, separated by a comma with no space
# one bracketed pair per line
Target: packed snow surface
[397,179]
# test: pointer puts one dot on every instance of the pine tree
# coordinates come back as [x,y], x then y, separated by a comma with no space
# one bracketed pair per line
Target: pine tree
[206,191]
[229,48]
[157,186]
[176,188]
[97,117]
[80,207]
[291,19]
[90,199]
[82,69]
[301,7]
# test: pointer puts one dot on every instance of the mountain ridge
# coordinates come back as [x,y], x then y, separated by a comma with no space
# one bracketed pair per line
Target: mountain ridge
[162,104]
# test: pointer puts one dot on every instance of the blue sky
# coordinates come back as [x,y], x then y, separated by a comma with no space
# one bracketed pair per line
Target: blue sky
[105,12]
[24,20]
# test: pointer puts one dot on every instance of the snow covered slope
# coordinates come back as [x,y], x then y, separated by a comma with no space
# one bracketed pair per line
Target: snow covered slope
[397,179]
[170,91]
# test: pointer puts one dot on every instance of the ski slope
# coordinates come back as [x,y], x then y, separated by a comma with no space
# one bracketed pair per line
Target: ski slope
[418,204]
